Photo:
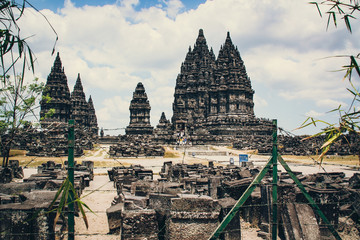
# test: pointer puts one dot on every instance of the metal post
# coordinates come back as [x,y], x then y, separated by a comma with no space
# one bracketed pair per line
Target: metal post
[309,198]
[241,201]
[71,220]
[275,180]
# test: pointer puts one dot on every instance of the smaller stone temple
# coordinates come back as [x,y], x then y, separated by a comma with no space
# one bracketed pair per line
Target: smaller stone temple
[162,132]
[139,113]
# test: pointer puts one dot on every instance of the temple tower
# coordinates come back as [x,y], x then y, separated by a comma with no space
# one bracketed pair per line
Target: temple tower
[93,125]
[191,90]
[57,90]
[80,107]
[139,113]
[213,95]
[232,88]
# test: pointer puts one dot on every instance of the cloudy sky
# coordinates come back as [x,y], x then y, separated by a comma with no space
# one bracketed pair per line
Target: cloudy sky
[116,44]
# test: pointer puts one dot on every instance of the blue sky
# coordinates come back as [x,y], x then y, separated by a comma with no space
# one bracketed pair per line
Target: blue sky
[116,44]
[54,5]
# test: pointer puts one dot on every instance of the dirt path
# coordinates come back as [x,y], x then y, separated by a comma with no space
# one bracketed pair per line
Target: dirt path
[98,196]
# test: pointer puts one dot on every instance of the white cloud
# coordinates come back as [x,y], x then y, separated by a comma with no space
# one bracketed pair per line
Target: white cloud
[173,7]
[260,102]
[114,47]
[314,114]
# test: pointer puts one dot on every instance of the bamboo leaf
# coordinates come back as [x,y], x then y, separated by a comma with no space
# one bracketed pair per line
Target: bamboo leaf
[12,42]
[57,194]
[317,6]
[354,63]
[347,22]
[321,157]
[31,60]
[80,204]
[331,140]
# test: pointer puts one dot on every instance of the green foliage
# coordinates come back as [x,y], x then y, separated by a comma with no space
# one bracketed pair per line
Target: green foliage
[17,102]
[63,196]
[13,47]
[348,120]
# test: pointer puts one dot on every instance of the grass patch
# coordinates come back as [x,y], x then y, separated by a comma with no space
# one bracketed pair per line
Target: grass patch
[333,159]
[16,152]
[171,153]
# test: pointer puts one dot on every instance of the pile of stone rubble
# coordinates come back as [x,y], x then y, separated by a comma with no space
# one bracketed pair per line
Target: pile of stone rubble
[25,206]
[189,201]
[136,146]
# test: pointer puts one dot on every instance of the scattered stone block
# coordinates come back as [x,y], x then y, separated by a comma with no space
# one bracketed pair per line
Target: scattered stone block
[140,224]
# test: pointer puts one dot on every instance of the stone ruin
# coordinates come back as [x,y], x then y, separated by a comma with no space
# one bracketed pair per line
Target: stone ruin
[51,140]
[213,105]
[14,170]
[25,206]
[136,146]
[189,202]
[296,145]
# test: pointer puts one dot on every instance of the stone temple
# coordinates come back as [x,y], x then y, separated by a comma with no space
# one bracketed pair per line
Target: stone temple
[139,113]
[64,105]
[213,96]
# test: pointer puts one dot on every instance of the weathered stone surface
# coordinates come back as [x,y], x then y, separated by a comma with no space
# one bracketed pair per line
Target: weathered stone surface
[136,146]
[114,218]
[181,215]
[213,98]
[192,217]
[25,206]
[57,89]
[139,225]
[299,222]
[13,170]
[233,229]
[18,221]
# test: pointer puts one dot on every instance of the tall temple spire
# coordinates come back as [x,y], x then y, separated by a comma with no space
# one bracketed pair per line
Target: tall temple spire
[201,38]
[57,64]
[78,88]
[196,73]
[57,90]
[80,107]
[228,38]
[93,125]
[231,70]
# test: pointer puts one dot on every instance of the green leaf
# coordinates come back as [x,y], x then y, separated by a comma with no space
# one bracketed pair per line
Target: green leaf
[31,60]
[317,6]
[355,65]
[331,140]
[347,22]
